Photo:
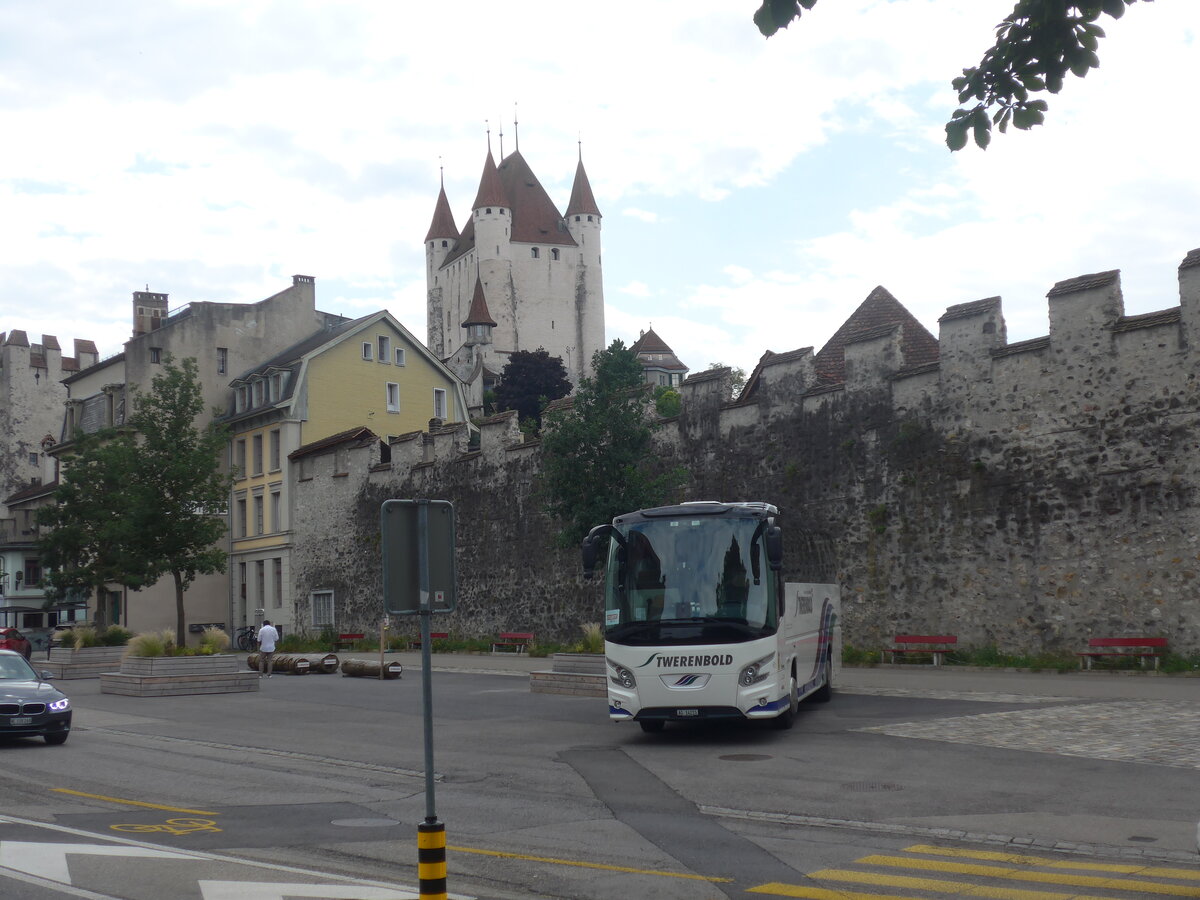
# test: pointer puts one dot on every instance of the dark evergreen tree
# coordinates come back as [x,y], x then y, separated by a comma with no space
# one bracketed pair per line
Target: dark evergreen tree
[530,381]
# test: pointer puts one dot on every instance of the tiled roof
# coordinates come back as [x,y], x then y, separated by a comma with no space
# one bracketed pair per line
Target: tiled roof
[1039,343]
[498,417]
[582,200]
[650,342]
[442,225]
[1192,259]
[17,338]
[50,342]
[536,219]
[1148,320]
[32,492]
[491,192]
[1084,283]
[966,310]
[478,313]
[879,310]
[361,437]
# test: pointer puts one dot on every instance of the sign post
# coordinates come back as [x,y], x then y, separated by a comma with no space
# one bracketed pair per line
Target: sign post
[419,578]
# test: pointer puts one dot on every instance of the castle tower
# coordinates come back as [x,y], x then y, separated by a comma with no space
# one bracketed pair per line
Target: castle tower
[537,269]
[479,322]
[149,311]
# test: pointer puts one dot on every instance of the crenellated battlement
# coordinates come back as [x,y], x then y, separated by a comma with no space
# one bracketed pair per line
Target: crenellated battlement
[1026,495]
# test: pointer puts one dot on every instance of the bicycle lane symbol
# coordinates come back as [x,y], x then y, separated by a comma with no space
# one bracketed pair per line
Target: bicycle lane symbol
[170,826]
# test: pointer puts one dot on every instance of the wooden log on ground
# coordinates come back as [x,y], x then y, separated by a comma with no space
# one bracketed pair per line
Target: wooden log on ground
[292,665]
[369,668]
[320,663]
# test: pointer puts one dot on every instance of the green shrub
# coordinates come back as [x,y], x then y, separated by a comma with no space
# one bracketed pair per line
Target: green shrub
[213,641]
[593,639]
[66,637]
[302,643]
[152,643]
[857,656]
[86,636]
[115,636]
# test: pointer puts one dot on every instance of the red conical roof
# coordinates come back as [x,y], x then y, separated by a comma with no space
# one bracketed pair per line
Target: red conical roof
[491,191]
[442,225]
[582,200]
[478,314]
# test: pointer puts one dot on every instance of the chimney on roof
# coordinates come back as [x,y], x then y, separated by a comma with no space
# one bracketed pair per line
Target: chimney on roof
[149,311]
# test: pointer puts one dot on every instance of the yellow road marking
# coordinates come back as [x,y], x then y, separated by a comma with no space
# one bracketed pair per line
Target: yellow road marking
[587,865]
[961,888]
[199,812]
[1126,884]
[811,893]
[1045,862]
[171,826]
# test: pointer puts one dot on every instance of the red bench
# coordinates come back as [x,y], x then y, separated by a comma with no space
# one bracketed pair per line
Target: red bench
[514,641]
[415,643]
[934,645]
[346,641]
[1142,648]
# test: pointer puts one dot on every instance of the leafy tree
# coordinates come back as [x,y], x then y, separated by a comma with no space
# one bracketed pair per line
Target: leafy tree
[737,376]
[180,490]
[597,455]
[88,530]
[530,381]
[1037,44]
[137,504]
[667,401]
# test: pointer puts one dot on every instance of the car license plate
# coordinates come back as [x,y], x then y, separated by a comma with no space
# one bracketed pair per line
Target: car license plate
[687,712]
[21,720]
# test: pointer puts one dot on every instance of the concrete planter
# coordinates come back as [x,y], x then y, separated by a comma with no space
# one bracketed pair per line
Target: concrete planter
[86,662]
[167,676]
[578,674]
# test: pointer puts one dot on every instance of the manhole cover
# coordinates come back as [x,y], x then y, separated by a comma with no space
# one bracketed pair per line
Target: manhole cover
[364,823]
[1142,839]
[743,757]
[866,787]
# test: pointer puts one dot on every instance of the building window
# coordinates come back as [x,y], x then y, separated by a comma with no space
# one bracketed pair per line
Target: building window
[239,457]
[533,253]
[260,582]
[276,512]
[155,355]
[33,459]
[239,523]
[258,392]
[240,405]
[277,592]
[399,356]
[275,450]
[322,608]
[367,350]
[258,514]
[257,457]
[554,253]
[33,573]
[242,584]
[222,360]
[393,397]
[385,348]
[277,386]
[439,403]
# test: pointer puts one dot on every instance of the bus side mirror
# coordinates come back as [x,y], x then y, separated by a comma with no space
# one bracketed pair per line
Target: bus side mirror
[774,545]
[589,548]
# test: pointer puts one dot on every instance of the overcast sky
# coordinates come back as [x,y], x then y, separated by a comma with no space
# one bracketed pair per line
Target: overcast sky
[754,191]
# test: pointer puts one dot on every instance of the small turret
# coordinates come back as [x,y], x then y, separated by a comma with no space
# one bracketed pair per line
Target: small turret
[442,232]
[479,322]
[491,214]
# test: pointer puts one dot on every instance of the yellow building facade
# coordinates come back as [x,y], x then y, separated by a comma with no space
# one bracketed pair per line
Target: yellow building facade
[370,373]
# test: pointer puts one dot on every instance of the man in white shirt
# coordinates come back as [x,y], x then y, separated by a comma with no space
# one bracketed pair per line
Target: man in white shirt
[267,637]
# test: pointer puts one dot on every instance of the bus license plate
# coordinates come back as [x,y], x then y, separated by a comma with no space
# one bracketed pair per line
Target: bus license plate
[21,720]
[687,712]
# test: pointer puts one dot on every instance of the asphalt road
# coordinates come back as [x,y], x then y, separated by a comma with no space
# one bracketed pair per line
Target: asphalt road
[318,781]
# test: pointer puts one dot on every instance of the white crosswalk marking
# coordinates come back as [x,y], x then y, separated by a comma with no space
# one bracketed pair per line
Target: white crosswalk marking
[50,860]
[262,890]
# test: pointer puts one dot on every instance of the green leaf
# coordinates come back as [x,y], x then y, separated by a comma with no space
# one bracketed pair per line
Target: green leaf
[956,133]
[983,134]
[1115,8]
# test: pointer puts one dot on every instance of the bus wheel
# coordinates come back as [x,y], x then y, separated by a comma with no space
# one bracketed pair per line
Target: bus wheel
[785,719]
[652,726]
[824,693]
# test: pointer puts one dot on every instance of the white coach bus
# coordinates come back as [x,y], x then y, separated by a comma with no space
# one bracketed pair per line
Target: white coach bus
[698,622]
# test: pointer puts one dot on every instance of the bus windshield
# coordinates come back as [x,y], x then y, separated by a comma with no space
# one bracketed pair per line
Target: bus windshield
[701,580]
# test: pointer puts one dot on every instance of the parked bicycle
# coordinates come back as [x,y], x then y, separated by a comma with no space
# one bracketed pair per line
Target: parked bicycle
[245,638]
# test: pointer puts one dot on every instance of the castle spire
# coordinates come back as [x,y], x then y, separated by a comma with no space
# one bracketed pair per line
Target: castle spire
[583,202]
[442,226]
[491,191]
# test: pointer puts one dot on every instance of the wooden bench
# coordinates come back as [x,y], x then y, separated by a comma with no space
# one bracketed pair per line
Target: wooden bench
[1142,648]
[415,643]
[935,645]
[513,641]
[346,641]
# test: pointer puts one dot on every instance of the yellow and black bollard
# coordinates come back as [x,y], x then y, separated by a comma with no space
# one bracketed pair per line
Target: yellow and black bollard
[431,860]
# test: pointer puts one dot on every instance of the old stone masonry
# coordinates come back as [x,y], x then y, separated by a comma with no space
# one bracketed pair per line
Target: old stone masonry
[1028,495]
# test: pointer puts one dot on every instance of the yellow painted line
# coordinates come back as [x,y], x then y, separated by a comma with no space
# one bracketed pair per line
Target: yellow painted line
[1045,862]
[959,888]
[198,812]
[810,893]
[1118,884]
[587,865]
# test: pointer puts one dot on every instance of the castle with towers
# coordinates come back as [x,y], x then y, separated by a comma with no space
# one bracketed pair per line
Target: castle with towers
[518,276]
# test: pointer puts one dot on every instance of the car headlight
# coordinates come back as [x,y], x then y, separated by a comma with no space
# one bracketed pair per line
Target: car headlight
[622,676]
[59,705]
[755,672]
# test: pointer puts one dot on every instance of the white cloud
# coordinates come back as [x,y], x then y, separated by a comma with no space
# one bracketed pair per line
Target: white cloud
[640,214]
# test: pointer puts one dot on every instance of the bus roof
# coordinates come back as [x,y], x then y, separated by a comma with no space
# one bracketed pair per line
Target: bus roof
[753,509]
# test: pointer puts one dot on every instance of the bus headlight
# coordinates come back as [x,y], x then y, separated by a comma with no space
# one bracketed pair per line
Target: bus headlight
[755,672]
[622,676]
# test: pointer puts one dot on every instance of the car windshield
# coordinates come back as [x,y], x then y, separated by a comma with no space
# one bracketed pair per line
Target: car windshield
[13,668]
